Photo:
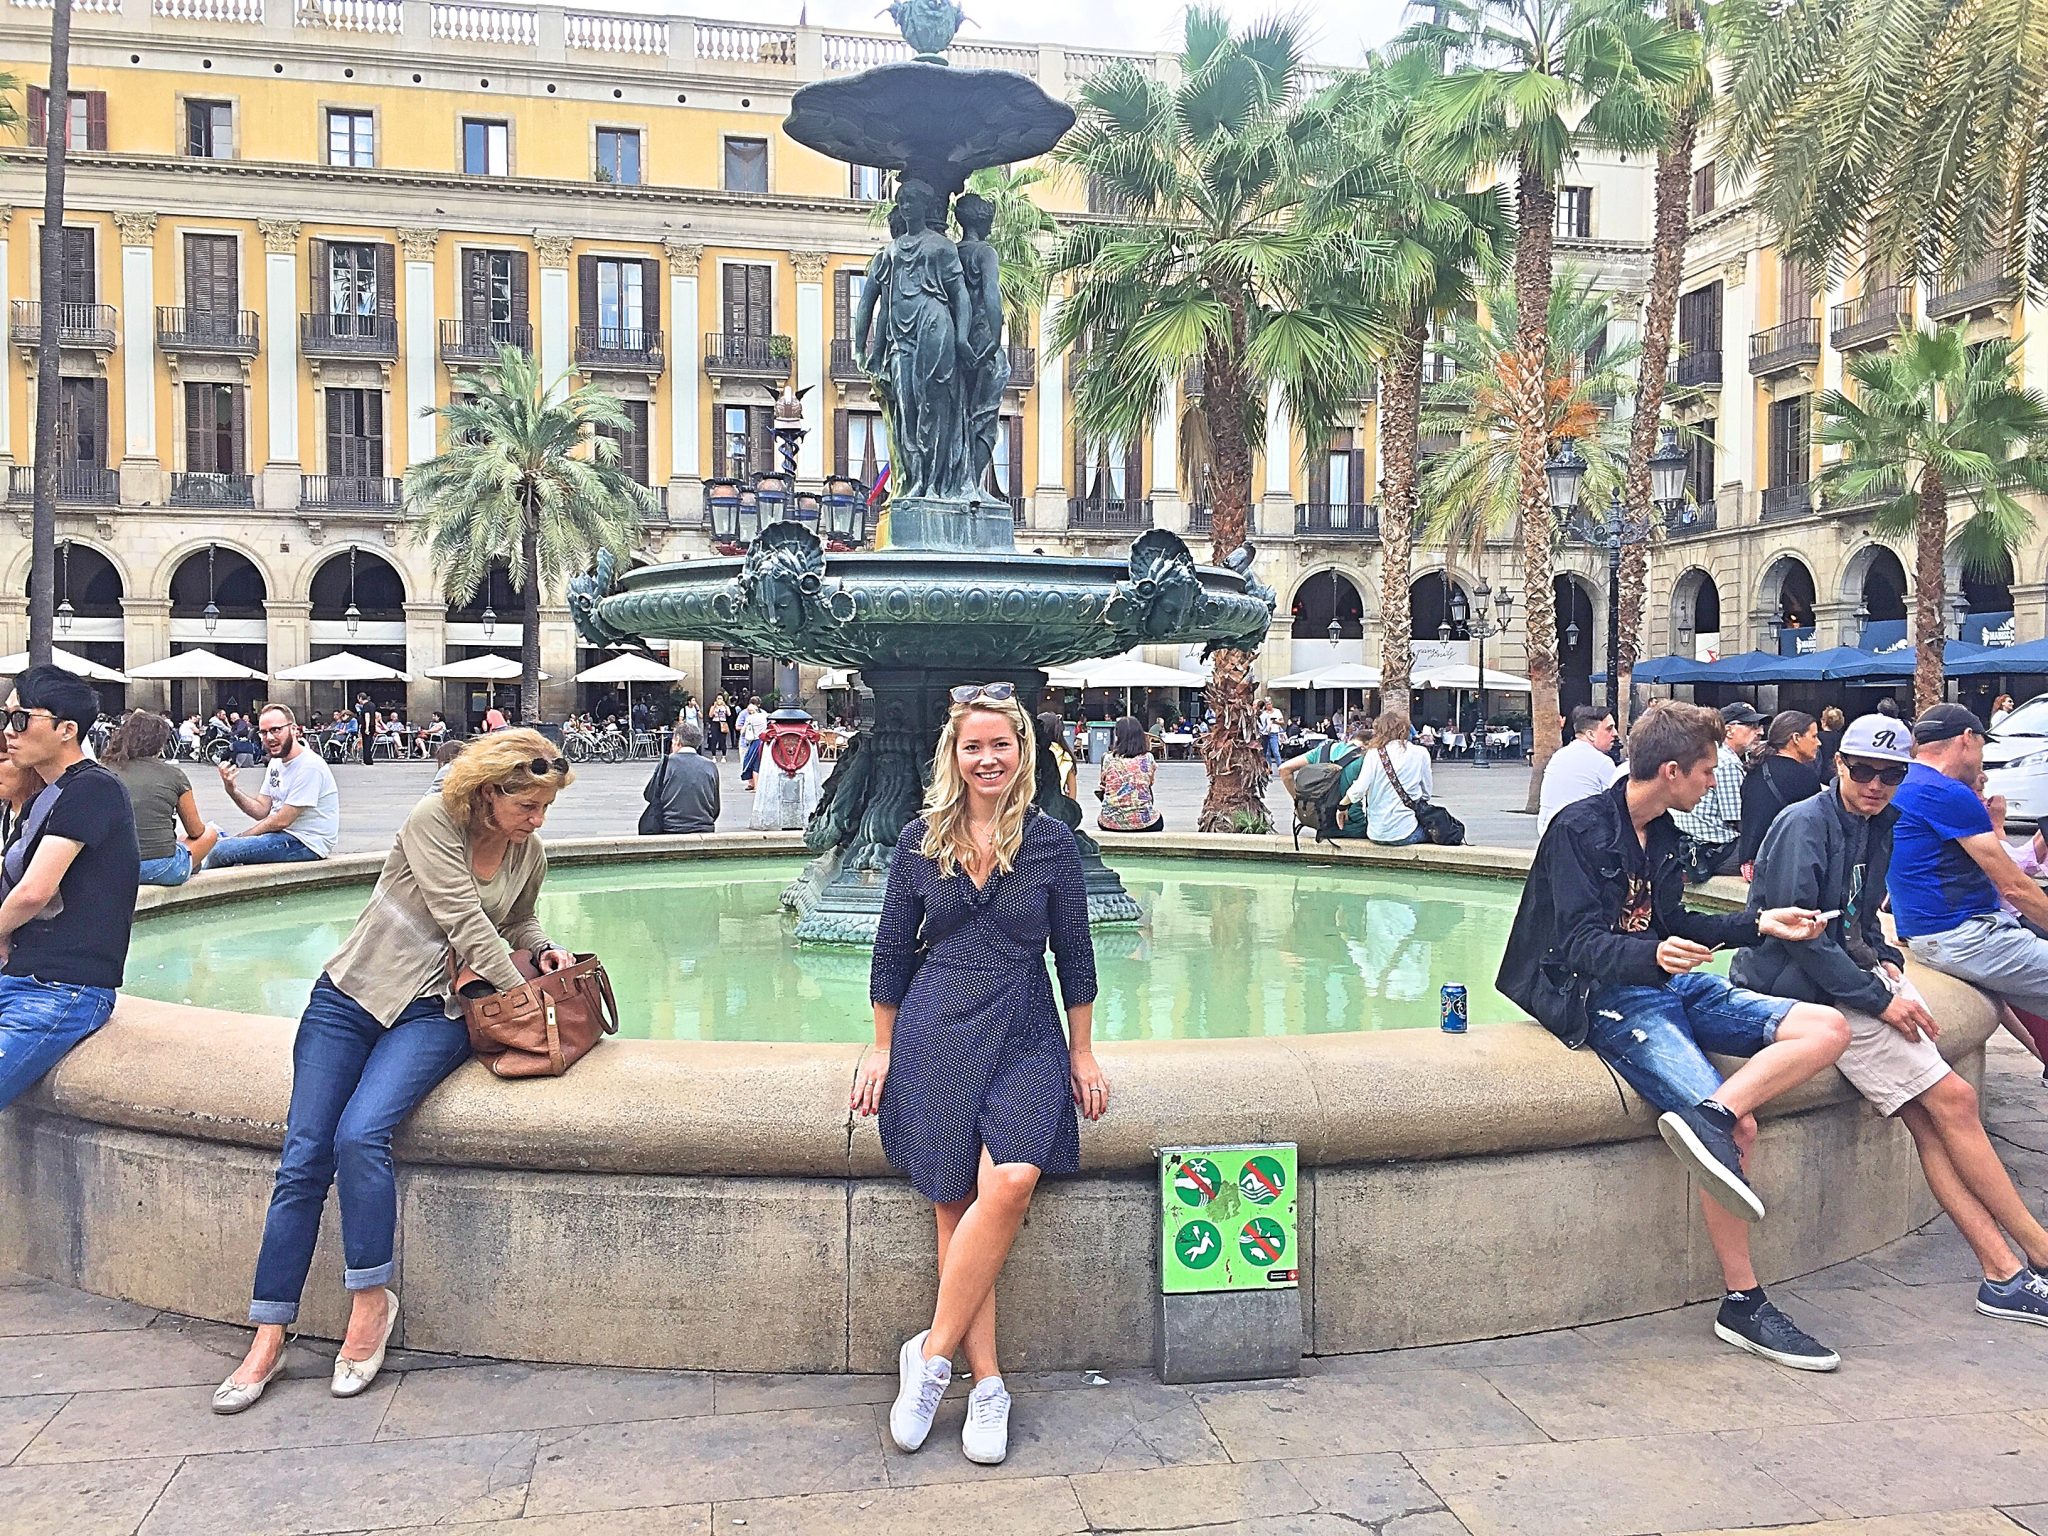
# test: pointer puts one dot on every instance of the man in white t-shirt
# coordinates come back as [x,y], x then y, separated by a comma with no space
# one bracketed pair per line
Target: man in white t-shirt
[1583,766]
[298,814]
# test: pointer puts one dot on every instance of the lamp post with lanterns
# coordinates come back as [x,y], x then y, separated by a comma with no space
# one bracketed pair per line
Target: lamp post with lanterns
[1491,612]
[740,505]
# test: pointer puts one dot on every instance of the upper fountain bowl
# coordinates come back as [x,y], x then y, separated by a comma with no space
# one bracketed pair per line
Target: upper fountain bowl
[930,118]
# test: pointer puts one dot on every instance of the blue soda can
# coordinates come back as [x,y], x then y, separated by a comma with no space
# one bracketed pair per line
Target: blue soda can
[1456,1012]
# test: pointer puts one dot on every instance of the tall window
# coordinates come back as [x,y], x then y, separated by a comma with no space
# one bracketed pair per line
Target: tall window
[213,429]
[618,156]
[1002,464]
[870,184]
[352,287]
[498,305]
[355,432]
[746,165]
[80,278]
[1699,319]
[82,423]
[209,130]
[1704,190]
[1109,471]
[619,310]
[1795,292]
[213,296]
[1790,458]
[351,138]
[632,440]
[1700,469]
[1575,213]
[749,299]
[486,147]
[746,439]
[867,445]
[1338,462]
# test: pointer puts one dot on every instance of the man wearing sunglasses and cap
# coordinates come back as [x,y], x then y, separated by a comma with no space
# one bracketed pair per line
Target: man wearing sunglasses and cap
[1833,852]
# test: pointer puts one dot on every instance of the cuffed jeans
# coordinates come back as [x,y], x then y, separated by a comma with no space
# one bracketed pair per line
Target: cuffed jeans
[40,1021]
[353,1080]
[263,848]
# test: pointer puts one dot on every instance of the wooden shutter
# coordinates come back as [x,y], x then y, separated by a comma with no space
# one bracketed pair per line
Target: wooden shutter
[842,304]
[318,270]
[1359,491]
[635,455]
[476,287]
[198,442]
[586,292]
[210,287]
[520,308]
[1016,486]
[80,278]
[1319,479]
[842,444]
[761,439]
[384,268]
[98,457]
[760,300]
[373,430]
[38,116]
[1081,484]
[95,120]
[238,430]
[650,302]
[1134,471]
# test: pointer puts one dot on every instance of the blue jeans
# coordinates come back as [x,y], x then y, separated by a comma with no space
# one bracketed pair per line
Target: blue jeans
[1402,842]
[1657,1037]
[352,1082]
[174,868]
[1272,743]
[40,1021]
[263,848]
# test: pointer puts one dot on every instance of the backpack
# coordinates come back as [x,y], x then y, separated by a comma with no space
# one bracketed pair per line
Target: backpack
[1318,790]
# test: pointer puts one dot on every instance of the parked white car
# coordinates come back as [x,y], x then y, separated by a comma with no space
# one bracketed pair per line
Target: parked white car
[2016,760]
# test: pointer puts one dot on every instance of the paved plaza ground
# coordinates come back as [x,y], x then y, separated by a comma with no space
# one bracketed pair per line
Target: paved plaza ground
[605,800]
[1936,1425]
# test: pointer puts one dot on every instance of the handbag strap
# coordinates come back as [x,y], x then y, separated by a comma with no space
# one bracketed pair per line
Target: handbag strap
[609,1014]
[556,1061]
[1394,779]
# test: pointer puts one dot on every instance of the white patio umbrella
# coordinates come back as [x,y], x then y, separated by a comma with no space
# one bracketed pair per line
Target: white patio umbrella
[1126,672]
[1341,675]
[630,667]
[70,661]
[200,666]
[490,668]
[344,667]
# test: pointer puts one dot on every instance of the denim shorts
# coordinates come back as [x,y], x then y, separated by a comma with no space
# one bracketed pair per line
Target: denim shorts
[1657,1037]
[174,868]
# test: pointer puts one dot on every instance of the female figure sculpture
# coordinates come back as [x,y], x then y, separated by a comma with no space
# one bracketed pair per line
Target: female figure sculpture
[991,371]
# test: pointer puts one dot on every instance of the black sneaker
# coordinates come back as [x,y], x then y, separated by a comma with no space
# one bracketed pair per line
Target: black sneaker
[1706,1145]
[1764,1330]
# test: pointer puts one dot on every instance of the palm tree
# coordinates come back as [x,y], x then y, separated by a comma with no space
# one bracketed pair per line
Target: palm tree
[1934,421]
[1540,82]
[1917,129]
[1447,237]
[1219,253]
[529,477]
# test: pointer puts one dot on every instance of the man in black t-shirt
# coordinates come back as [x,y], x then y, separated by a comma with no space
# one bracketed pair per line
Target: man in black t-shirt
[366,723]
[67,883]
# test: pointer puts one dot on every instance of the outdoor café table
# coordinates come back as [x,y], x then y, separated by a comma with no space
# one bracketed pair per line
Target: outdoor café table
[1183,741]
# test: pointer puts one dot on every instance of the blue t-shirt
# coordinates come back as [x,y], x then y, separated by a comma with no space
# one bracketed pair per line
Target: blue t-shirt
[1935,884]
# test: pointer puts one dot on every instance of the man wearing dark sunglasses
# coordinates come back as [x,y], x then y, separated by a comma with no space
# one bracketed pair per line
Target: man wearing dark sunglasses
[1833,852]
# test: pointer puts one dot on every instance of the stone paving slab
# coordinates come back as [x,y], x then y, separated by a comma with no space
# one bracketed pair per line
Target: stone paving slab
[35,1307]
[22,1419]
[1339,1415]
[1120,1428]
[1971,1522]
[1031,1506]
[1904,1466]
[109,1499]
[180,1421]
[490,1399]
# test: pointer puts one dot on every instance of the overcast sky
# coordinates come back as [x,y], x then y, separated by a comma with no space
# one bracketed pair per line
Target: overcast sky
[1341,29]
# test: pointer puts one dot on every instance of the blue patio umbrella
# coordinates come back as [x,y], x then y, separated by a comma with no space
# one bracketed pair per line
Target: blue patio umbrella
[1963,660]
[1959,659]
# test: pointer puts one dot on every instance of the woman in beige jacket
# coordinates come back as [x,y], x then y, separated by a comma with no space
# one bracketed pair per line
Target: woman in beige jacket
[381,1030]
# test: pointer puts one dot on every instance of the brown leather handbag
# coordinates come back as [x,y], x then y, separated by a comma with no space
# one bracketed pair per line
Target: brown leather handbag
[546,1025]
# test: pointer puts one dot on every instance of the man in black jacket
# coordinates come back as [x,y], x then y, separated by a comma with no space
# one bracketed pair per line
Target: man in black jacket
[1834,852]
[1604,953]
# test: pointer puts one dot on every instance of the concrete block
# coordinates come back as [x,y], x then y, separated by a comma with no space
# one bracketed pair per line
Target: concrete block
[699,1274]
[1227,1336]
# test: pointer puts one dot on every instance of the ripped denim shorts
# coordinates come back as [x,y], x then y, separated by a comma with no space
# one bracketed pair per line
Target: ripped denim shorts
[1657,1038]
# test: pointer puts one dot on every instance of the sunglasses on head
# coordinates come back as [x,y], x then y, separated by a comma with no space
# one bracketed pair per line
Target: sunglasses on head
[1891,774]
[543,766]
[996,693]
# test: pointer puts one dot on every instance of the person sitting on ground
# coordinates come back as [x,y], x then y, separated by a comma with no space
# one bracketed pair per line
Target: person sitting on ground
[1396,771]
[171,836]
[1833,852]
[1783,777]
[1583,766]
[1130,775]
[1351,752]
[1052,731]
[457,892]
[67,882]
[1710,834]
[1832,724]
[298,813]
[1604,953]
[685,784]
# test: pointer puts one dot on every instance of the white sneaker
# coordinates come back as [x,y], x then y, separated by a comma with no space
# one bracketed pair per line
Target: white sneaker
[985,1437]
[922,1383]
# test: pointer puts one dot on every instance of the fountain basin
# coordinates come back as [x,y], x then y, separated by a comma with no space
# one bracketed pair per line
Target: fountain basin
[631,1212]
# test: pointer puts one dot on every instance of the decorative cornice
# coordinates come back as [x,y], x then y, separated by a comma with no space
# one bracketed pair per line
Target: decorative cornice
[553,249]
[136,227]
[280,236]
[810,266]
[417,242]
[683,256]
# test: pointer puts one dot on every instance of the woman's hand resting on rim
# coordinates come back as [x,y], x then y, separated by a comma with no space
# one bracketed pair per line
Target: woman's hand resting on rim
[867,1082]
[1091,1088]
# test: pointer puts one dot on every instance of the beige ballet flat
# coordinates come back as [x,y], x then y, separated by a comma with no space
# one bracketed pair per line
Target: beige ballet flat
[233,1396]
[353,1377]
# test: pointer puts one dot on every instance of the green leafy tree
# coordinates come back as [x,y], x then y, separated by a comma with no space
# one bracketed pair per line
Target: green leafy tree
[1936,427]
[1220,253]
[1534,84]
[527,476]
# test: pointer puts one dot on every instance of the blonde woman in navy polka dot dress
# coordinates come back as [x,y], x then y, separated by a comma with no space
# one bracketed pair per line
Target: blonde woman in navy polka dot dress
[976,1084]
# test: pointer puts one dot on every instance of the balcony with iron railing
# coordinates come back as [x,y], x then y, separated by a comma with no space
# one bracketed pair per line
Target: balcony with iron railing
[1794,344]
[623,349]
[1874,317]
[206,488]
[346,493]
[78,485]
[232,332]
[327,335]
[93,326]
[1984,286]
[1695,370]
[1437,368]
[846,367]
[1692,518]
[1336,520]
[1023,365]
[736,354]
[1107,513]
[1784,502]
[478,341]
[1202,520]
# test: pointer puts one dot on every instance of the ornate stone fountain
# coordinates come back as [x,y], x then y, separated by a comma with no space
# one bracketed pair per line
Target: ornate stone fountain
[949,600]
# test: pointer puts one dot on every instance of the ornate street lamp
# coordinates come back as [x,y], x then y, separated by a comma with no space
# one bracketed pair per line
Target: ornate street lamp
[352,616]
[210,614]
[1566,472]
[739,506]
[65,612]
[490,619]
[1668,468]
[1336,597]
[843,513]
[1489,603]
[1959,609]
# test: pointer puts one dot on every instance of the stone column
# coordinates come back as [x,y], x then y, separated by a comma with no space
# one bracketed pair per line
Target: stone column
[426,646]
[416,320]
[558,660]
[141,474]
[282,458]
[553,341]
[686,468]
[146,637]
[1738,416]
[1052,427]
[810,359]
[1279,484]
[290,642]
[6,370]
[1167,503]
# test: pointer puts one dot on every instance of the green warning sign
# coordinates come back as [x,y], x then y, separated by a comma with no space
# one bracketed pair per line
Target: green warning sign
[1227,1219]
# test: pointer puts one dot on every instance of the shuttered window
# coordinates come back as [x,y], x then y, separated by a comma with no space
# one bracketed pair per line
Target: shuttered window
[82,423]
[1574,213]
[215,429]
[494,289]
[846,287]
[355,432]
[1701,473]
[632,440]
[212,294]
[1795,296]
[1790,457]
[1338,477]
[88,113]
[210,130]
[354,285]
[1705,190]
[81,275]
[1109,472]
[746,439]
[749,299]
[1699,319]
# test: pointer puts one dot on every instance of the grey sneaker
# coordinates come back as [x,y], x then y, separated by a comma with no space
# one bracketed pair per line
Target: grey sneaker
[921,1383]
[985,1437]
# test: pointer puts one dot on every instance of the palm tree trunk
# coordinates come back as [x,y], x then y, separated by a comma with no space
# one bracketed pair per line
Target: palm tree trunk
[1930,584]
[1660,312]
[1400,507]
[1232,752]
[529,618]
[1536,227]
[42,560]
